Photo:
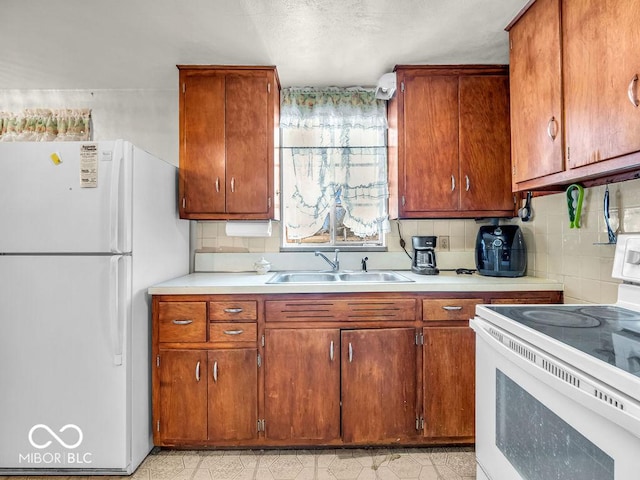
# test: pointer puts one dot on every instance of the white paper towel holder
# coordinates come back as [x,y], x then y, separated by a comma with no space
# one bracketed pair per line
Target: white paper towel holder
[248,228]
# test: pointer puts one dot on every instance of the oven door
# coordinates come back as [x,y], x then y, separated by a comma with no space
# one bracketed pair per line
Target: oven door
[540,423]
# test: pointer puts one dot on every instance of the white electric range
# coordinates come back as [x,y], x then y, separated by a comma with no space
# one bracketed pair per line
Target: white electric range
[558,386]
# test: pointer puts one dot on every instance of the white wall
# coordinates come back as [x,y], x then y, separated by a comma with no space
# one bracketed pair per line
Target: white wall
[148,118]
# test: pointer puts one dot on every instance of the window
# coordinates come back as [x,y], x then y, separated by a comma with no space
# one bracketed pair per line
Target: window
[334,168]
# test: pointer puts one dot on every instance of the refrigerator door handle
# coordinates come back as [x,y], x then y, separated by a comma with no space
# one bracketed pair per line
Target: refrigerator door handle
[114,196]
[116,319]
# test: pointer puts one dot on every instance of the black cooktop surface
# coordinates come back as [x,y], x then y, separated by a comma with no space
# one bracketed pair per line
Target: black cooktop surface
[607,332]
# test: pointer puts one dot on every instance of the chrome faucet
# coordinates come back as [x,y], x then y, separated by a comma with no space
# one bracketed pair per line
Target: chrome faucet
[335,265]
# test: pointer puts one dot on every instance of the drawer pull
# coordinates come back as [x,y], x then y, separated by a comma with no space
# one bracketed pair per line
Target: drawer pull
[552,133]
[350,353]
[632,91]
[233,332]
[198,371]
[450,308]
[233,310]
[215,372]
[182,322]
[331,351]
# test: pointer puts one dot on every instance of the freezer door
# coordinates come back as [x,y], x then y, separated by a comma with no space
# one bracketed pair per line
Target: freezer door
[47,205]
[65,369]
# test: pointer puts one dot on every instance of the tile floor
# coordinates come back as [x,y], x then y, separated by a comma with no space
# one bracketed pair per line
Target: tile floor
[455,463]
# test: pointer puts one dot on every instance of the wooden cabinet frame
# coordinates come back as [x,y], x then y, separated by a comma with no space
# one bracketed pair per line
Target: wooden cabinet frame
[574,93]
[229,141]
[303,362]
[449,137]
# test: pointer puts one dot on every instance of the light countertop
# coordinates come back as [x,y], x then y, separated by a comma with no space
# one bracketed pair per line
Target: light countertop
[252,283]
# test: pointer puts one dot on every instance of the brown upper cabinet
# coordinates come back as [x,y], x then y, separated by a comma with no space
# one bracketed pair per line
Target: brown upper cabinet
[601,67]
[228,140]
[574,92]
[449,133]
[536,93]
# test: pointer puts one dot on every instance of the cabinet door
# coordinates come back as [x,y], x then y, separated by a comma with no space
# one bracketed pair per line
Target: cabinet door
[247,149]
[202,143]
[379,376]
[485,151]
[182,393]
[302,385]
[536,92]
[449,382]
[430,177]
[233,394]
[601,42]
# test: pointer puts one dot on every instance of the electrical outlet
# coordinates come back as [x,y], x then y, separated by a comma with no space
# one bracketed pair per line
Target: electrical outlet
[444,243]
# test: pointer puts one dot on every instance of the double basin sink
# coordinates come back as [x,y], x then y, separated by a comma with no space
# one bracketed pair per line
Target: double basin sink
[334,277]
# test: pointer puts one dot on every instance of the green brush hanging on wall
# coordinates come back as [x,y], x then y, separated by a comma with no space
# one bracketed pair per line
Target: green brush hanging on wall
[575,195]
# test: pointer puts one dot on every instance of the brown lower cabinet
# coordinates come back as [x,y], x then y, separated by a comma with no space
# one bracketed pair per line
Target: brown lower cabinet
[311,373]
[449,382]
[207,395]
[302,384]
[379,385]
[182,397]
[233,394]
[317,369]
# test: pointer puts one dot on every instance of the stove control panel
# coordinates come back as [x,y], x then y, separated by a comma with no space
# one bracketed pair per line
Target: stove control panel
[626,262]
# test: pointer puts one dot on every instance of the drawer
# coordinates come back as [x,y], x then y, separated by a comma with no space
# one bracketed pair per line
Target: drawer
[233,332]
[449,309]
[182,321]
[233,311]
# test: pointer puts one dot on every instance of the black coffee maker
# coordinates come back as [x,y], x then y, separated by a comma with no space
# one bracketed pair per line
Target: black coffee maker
[424,256]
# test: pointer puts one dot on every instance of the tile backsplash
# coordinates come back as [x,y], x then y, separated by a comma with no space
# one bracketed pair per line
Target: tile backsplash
[580,257]
[574,257]
[462,236]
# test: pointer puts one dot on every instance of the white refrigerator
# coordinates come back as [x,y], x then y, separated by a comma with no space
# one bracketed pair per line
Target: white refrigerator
[85,229]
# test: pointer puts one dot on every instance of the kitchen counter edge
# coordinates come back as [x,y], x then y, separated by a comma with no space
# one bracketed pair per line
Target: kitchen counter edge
[249,282]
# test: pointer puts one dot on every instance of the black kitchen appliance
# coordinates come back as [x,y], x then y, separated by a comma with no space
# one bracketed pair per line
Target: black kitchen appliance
[424,255]
[501,251]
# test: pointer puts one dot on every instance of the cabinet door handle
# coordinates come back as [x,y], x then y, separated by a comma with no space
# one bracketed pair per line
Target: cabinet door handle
[233,184]
[233,310]
[198,371]
[350,353]
[632,91]
[182,322]
[233,332]
[217,184]
[215,371]
[467,181]
[552,133]
[452,307]
[453,183]
[331,351]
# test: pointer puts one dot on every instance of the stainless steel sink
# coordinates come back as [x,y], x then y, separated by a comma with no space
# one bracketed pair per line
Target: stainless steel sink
[333,277]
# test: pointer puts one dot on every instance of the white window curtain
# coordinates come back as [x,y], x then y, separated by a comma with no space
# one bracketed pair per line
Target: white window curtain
[334,145]
[46,125]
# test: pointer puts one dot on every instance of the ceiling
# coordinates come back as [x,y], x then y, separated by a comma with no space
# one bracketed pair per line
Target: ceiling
[136,44]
